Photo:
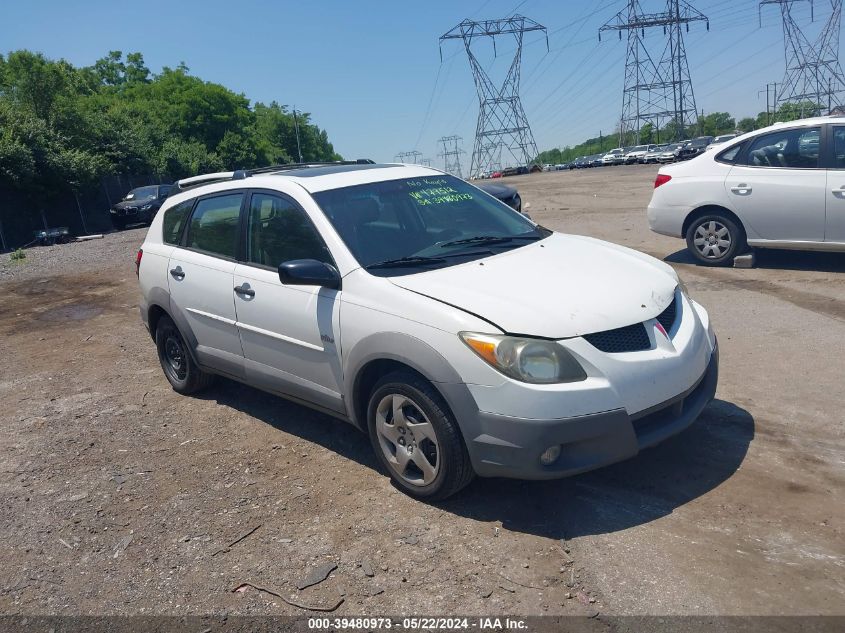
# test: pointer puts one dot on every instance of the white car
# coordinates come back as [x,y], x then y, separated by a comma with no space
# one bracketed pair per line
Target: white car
[613,157]
[636,154]
[460,336]
[719,140]
[779,187]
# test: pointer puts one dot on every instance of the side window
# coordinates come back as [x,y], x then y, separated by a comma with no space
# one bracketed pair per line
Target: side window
[839,147]
[174,222]
[796,148]
[214,225]
[730,155]
[278,232]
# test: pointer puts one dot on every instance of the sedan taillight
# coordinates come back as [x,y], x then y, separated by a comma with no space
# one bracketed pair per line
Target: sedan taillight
[138,257]
[661,179]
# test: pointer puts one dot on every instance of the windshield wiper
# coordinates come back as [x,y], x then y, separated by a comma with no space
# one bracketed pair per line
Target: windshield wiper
[482,240]
[406,261]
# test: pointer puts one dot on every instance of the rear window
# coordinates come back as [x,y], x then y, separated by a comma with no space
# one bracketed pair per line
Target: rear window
[174,222]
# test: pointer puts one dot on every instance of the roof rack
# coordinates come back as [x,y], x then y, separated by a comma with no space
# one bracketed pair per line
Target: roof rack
[223,176]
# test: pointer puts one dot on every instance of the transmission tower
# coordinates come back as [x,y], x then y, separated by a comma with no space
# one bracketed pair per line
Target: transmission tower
[501,119]
[657,89]
[813,79]
[412,157]
[425,162]
[451,155]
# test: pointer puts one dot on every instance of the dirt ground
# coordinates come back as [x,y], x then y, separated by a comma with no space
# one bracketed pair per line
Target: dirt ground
[121,497]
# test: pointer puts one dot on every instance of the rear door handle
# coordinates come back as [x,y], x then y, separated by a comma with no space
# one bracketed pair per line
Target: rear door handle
[839,193]
[741,189]
[245,290]
[177,273]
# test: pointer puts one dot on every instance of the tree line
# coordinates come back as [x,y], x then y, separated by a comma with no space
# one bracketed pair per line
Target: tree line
[712,124]
[63,128]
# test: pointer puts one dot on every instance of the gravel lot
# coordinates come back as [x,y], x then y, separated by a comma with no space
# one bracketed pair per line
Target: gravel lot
[121,497]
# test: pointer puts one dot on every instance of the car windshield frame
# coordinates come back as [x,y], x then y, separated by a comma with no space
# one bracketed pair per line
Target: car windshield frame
[423,223]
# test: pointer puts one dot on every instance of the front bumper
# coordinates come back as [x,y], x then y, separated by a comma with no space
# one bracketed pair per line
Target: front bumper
[510,447]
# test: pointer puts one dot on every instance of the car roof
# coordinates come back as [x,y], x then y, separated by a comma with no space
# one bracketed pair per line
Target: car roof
[312,179]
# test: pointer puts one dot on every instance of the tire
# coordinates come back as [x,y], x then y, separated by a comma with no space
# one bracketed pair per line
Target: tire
[427,433]
[177,364]
[715,239]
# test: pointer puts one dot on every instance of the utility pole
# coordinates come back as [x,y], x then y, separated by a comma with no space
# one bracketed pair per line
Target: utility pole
[501,119]
[451,155]
[296,126]
[813,74]
[659,90]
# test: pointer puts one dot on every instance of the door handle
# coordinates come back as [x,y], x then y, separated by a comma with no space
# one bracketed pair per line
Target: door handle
[741,189]
[839,193]
[245,290]
[177,273]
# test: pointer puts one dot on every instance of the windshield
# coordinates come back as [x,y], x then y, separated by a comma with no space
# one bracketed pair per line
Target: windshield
[403,226]
[142,193]
[640,148]
[702,141]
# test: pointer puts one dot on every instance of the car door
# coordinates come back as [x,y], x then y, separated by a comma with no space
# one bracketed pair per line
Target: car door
[777,188]
[201,281]
[290,334]
[835,193]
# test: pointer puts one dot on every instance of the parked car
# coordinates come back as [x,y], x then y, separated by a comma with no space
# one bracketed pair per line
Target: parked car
[139,206]
[507,194]
[611,157]
[779,187]
[651,156]
[595,160]
[670,154]
[724,138]
[695,147]
[457,358]
[636,154]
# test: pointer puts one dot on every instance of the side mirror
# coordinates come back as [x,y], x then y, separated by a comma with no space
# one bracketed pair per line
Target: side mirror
[309,272]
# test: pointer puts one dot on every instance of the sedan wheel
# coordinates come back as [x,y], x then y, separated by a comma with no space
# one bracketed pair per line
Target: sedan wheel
[715,240]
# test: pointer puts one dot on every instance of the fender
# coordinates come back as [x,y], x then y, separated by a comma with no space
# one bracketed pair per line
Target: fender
[410,351]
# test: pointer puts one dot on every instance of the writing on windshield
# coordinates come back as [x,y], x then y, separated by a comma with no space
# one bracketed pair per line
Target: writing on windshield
[427,191]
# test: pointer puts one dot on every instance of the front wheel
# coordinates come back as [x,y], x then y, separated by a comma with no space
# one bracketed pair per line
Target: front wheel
[715,239]
[415,437]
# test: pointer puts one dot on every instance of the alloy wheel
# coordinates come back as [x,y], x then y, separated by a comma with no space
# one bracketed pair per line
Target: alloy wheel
[407,440]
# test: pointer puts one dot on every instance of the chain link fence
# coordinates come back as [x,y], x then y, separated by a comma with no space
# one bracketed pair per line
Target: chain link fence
[83,213]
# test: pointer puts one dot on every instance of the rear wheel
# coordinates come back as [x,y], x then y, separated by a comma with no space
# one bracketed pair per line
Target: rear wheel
[715,239]
[179,368]
[416,438]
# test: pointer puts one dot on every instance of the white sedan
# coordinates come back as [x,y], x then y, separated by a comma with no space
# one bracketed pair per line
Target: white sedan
[779,187]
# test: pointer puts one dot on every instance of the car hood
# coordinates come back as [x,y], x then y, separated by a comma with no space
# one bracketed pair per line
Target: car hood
[502,192]
[560,287]
[132,204]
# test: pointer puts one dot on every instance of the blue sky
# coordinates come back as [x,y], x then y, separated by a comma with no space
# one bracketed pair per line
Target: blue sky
[370,71]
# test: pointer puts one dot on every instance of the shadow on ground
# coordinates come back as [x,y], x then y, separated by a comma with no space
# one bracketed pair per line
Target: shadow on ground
[614,498]
[779,260]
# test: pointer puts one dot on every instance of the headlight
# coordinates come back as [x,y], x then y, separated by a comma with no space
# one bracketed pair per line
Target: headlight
[530,360]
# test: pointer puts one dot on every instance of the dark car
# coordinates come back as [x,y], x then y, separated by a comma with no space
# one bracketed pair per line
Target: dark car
[139,206]
[507,194]
[695,147]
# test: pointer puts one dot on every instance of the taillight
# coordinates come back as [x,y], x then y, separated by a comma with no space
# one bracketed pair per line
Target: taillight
[661,179]
[138,261]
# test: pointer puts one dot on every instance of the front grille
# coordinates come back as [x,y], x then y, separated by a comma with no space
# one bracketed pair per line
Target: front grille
[631,338]
[667,317]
